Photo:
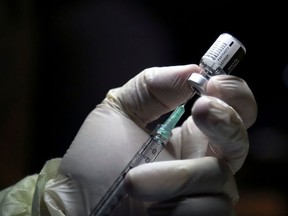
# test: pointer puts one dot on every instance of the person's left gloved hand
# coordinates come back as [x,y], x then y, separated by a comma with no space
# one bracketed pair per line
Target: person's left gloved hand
[193,175]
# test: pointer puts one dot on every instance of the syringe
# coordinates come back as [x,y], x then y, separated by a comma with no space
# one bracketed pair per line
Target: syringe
[221,58]
[147,153]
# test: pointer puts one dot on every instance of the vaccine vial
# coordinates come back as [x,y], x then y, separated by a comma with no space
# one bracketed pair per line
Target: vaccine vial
[221,58]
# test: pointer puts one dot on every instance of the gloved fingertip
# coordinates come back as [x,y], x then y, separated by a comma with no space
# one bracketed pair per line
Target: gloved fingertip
[207,110]
[235,92]
[225,129]
[169,84]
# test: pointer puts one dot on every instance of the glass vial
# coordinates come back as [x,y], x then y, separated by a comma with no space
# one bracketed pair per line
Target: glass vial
[221,58]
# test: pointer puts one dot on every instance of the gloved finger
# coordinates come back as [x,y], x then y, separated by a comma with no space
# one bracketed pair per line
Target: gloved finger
[199,205]
[226,133]
[215,123]
[153,92]
[235,92]
[166,180]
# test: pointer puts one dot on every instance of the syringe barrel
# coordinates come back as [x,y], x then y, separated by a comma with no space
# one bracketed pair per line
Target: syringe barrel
[116,193]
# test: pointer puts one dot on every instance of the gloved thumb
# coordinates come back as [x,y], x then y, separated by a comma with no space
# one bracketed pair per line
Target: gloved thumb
[153,92]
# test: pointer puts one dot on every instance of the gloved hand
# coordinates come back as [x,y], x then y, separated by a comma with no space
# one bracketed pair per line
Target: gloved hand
[193,175]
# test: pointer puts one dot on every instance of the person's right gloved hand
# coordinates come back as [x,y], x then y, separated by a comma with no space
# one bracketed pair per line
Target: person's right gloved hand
[193,175]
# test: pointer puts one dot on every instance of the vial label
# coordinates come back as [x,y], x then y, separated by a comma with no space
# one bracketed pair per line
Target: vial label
[226,52]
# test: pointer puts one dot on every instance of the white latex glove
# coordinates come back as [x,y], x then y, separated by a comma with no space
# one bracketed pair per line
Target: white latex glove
[193,175]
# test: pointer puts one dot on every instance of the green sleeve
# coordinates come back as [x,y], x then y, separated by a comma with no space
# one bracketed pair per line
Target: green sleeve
[25,197]
[17,199]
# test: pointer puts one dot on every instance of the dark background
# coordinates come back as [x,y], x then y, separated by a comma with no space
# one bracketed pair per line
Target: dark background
[58,59]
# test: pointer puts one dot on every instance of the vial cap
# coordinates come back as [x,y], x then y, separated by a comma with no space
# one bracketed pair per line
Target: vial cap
[198,83]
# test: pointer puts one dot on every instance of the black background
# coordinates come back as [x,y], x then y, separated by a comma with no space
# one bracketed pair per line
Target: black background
[59,59]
